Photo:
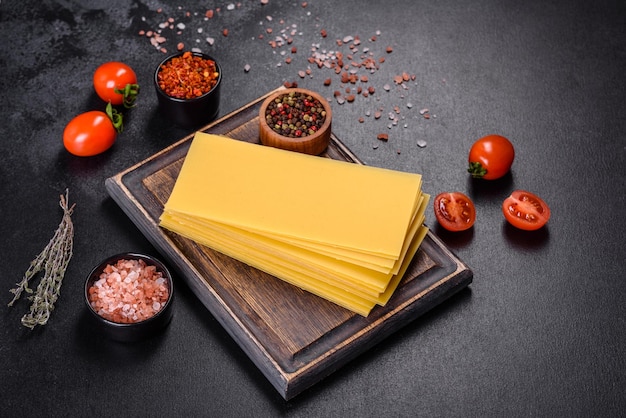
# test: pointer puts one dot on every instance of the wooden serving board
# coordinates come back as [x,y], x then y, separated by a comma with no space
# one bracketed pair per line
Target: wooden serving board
[293,337]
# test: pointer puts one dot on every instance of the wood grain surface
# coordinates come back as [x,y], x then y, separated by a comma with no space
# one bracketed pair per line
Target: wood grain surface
[293,337]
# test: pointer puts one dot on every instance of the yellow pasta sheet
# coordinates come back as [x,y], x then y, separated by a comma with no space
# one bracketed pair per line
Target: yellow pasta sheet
[345,232]
[352,298]
[326,268]
[359,208]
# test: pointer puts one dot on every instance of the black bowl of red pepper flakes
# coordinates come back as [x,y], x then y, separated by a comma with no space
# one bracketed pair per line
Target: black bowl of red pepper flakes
[188,88]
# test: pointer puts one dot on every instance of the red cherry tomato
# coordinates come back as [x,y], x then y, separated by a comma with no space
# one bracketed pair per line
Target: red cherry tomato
[92,132]
[116,82]
[525,210]
[491,157]
[454,211]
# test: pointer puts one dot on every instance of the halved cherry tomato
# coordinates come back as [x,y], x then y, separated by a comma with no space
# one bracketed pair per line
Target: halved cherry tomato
[116,82]
[454,211]
[525,210]
[92,132]
[491,157]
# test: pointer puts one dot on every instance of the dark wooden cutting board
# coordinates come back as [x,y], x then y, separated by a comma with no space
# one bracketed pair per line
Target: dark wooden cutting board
[293,337]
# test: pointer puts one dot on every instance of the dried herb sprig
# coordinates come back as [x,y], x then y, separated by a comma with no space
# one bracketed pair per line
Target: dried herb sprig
[53,260]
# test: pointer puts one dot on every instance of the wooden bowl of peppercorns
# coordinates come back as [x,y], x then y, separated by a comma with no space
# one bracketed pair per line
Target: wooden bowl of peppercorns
[296,120]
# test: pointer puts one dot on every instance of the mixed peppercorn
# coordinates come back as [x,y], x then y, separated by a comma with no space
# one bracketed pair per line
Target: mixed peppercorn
[188,76]
[295,115]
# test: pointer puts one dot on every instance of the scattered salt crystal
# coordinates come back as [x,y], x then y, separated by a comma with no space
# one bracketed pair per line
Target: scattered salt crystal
[180,26]
[210,40]
[421,143]
[230,6]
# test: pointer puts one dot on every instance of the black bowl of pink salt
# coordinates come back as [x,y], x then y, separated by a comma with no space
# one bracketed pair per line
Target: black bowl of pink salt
[130,296]
[188,88]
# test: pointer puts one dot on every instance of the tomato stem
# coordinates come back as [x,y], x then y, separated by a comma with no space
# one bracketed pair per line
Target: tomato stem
[476,170]
[130,92]
[116,118]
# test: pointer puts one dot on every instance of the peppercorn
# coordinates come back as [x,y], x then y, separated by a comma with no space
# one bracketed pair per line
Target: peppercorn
[295,115]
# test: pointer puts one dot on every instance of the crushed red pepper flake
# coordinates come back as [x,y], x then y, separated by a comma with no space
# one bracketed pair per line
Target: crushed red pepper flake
[383,137]
[187,76]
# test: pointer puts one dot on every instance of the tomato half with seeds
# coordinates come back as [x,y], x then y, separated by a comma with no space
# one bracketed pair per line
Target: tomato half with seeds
[525,210]
[491,157]
[92,132]
[116,82]
[454,211]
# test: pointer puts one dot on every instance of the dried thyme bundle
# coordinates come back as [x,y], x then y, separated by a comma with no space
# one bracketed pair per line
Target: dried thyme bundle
[53,260]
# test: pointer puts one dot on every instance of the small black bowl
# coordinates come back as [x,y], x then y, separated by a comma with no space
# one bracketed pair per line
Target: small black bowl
[130,332]
[190,113]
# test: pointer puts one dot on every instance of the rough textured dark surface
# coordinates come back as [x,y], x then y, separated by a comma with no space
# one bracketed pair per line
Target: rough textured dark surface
[542,330]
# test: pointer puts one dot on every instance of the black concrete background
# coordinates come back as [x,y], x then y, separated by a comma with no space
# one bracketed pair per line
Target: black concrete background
[540,333]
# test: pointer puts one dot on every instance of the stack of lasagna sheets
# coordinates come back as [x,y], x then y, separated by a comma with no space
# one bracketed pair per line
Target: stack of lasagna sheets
[345,232]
